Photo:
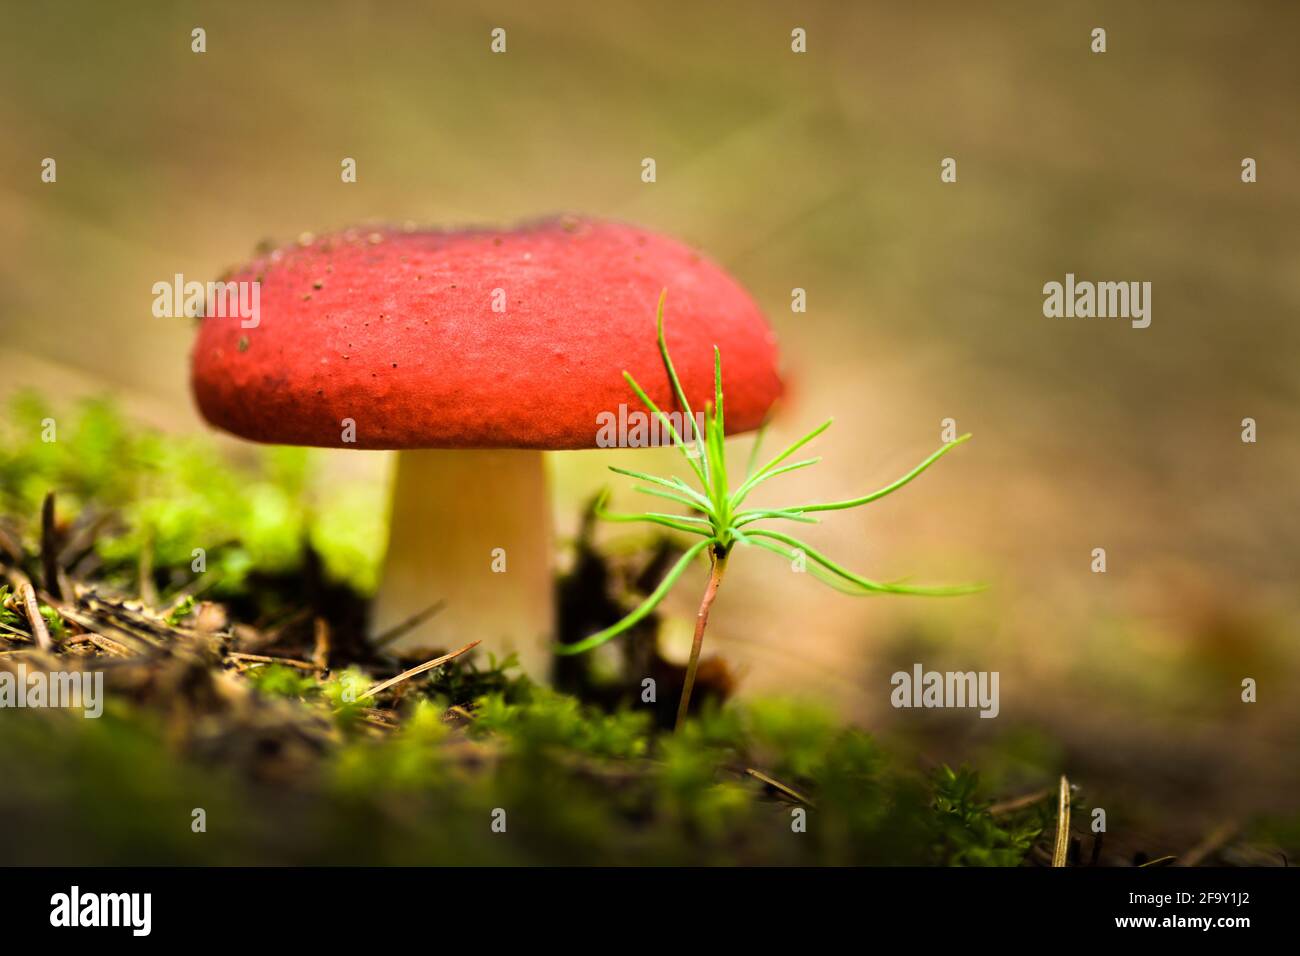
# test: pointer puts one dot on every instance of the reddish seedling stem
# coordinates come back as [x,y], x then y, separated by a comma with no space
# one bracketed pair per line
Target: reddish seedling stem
[701,622]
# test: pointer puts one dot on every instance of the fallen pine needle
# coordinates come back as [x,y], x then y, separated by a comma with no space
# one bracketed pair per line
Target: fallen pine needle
[1020,803]
[772,782]
[404,627]
[418,669]
[1062,824]
[241,657]
[27,594]
[105,644]
[1217,838]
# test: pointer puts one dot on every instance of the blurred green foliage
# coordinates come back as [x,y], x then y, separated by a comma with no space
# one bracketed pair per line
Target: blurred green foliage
[277,680]
[173,495]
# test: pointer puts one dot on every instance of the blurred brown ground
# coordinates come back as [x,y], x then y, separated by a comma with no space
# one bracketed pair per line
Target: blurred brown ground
[818,171]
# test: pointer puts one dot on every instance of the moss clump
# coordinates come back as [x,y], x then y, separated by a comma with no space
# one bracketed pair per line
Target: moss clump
[149,495]
[571,784]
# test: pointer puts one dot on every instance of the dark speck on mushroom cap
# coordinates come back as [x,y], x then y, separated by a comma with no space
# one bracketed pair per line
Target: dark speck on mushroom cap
[402,337]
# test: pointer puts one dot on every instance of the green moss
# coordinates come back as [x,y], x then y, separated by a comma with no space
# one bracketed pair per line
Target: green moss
[967,833]
[550,720]
[280,681]
[176,495]
[576,786]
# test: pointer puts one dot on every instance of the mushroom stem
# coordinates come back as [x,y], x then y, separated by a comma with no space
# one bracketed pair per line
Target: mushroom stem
[471,528]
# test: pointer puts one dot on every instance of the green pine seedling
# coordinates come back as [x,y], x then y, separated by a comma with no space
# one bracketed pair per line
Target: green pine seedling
[721,523]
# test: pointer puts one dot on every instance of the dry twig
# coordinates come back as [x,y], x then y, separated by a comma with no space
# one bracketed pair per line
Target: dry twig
[49,549]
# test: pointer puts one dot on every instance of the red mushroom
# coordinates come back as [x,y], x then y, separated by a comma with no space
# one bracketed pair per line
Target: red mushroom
[472,352]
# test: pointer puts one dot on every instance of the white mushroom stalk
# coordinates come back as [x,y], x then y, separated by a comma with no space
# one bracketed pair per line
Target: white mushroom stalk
[470,529]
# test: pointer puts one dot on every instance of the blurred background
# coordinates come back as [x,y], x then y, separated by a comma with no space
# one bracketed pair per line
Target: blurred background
[818,171]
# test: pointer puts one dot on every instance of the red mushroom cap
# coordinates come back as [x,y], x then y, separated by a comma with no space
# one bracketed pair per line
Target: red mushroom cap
[396,330]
